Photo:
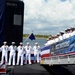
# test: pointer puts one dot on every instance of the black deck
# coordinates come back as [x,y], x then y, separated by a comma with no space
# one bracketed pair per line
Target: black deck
[34,69]
[37,69]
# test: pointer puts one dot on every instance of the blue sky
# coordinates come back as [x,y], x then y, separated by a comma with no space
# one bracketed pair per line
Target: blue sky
[48,16]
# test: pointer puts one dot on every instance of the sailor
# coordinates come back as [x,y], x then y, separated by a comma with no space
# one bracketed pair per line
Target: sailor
[20,50]
[12,49]
[57,37]
[36,49]
[51,41]
[67,33]
[4,50]
[61,36]
[48,39]
[72,31]
[28,50]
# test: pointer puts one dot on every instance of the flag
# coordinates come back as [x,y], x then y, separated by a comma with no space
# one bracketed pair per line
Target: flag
[32,37]
[45,51]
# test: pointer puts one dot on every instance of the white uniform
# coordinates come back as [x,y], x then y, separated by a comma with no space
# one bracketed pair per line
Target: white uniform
[73,33]
[12,54]
[61,38]
[56,39]
[66,35]
[28,53]
[50,42]
[36,53]
[46,43]
[20,54]
[4,50]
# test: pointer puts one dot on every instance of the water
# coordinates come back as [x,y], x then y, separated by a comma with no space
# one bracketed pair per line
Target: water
[41,42]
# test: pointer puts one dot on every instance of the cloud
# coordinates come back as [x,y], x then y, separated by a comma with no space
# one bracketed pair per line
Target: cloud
[48,16]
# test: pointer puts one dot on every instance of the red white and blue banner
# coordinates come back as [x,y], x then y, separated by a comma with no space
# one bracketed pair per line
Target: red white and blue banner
[45,51]
[62,47]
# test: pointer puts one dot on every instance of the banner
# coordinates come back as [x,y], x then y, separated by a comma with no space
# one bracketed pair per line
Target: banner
[64,46]
[45,51]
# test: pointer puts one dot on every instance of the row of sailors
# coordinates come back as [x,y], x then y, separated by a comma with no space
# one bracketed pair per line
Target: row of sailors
[59,37]
[21,51]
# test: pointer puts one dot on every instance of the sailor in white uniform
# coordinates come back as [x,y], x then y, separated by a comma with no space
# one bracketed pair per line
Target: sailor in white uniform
[12,49]
[20,50]
[28,50]
[61,36]
[4,50]
[67,33]
[57,38]
[51,41]
[47,43]
[72,31]
[36,49]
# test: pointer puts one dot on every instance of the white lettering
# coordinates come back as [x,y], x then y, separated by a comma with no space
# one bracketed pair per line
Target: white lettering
[11,4]
[62,45]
